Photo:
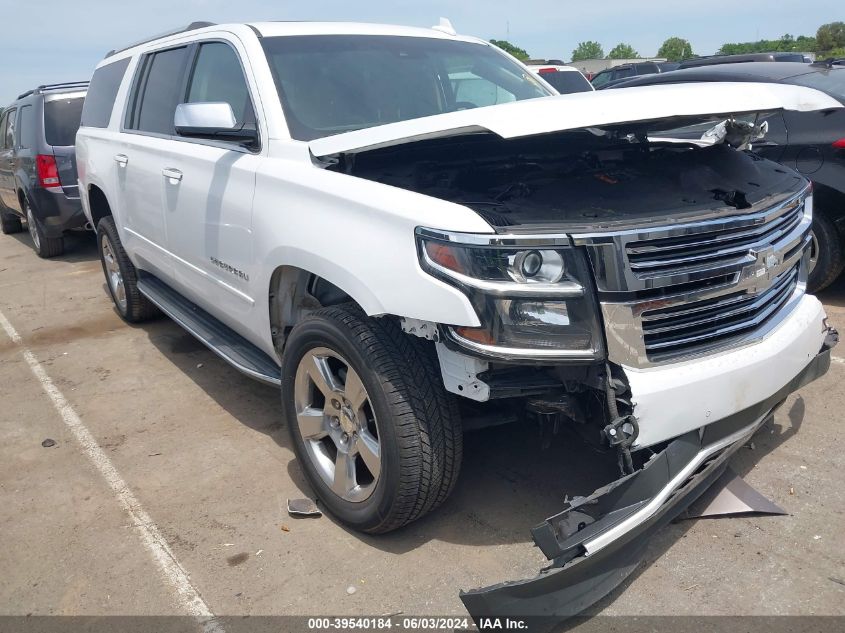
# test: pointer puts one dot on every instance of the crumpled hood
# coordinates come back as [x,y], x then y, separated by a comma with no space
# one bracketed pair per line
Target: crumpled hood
[583,110]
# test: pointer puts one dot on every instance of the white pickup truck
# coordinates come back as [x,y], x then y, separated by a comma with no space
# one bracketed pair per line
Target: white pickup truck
[328,209]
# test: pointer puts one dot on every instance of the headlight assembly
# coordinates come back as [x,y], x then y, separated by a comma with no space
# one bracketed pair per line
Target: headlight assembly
[531,294]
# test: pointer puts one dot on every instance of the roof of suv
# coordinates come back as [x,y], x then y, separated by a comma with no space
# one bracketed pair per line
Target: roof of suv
[70,86]
[276,29]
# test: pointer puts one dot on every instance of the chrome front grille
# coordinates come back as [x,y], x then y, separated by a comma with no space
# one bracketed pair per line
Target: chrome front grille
[672,292]
[723,243]
[713,322]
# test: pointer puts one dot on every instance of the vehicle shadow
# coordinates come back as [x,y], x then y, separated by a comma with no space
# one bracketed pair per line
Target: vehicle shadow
[834,294]
[80,246]
[508,483]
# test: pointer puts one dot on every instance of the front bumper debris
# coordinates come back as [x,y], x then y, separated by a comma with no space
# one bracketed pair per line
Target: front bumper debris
[598,540]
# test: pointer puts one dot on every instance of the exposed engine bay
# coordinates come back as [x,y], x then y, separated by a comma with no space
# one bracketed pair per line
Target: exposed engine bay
[583,180]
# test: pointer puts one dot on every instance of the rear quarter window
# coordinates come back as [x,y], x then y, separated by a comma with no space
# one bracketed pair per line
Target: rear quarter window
[61,120]
[27,137]
[567,82]
[99,102]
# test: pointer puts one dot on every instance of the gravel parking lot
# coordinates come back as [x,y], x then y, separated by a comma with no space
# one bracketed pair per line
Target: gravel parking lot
[165,491]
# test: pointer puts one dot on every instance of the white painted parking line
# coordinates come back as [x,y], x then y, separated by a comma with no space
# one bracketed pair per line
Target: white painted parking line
[837,359]
[187,595]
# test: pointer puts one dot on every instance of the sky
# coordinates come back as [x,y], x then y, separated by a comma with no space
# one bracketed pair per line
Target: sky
[49,41]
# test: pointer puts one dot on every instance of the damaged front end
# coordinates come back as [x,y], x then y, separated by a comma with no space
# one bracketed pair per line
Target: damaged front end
[597,541]
[641,284]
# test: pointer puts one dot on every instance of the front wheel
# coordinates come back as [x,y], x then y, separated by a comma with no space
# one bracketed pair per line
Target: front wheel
[377,436]
[827,259]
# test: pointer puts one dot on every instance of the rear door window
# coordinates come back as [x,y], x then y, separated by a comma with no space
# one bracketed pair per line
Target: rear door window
[218,78]
[61,120]
[99,102]
[159,91]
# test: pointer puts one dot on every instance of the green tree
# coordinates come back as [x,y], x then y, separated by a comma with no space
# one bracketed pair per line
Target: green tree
[623,51]
[675,49]
[520,53]
[786,43]
[587,50]
[830,36]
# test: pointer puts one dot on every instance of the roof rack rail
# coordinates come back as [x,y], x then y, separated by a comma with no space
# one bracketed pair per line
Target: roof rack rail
[193,26]
[59,86]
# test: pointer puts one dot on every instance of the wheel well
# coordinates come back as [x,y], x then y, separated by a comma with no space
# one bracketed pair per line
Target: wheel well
[21,198]
[98,204]
[295,293]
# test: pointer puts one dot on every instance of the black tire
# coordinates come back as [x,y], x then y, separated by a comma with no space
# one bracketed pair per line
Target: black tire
[10,223]
[829,255]
[45,247]
[136,307]
[419,428]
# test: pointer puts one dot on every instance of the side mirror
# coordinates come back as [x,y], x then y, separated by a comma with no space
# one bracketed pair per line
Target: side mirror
[214,121]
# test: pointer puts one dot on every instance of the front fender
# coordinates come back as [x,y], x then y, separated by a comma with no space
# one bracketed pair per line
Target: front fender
[358,235]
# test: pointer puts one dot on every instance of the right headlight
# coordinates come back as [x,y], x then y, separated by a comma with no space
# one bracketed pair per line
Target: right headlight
[532,295]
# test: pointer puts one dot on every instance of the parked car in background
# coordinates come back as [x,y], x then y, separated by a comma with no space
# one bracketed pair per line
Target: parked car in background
[625,71]
[318,204]
[564,79]
[711,60]
[38,182]
[813,143]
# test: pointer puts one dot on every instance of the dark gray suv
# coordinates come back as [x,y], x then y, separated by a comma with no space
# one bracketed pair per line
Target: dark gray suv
[38,184]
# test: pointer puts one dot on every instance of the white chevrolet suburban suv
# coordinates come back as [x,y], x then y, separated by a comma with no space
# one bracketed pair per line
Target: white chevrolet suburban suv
[337,210]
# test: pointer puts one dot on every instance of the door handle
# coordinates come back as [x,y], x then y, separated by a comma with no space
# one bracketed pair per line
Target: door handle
[173,174]
[121,159]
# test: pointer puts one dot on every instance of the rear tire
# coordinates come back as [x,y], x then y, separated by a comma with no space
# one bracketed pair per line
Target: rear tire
[406,409]
[122,276]
[10,223]
[827,253]
[45,247]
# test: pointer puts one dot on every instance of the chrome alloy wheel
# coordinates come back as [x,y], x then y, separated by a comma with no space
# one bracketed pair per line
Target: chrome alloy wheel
[814,251]
[113,274]
[33,230]
[337,424]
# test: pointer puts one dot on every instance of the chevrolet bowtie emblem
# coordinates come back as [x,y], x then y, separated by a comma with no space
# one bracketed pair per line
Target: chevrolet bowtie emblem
[765,260]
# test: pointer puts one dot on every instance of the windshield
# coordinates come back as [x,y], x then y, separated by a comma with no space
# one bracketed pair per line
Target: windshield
[330,84]
[61,120]
[831,82]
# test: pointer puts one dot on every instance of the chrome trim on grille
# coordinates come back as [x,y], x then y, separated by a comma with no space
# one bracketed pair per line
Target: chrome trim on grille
[496,239]
[680,291]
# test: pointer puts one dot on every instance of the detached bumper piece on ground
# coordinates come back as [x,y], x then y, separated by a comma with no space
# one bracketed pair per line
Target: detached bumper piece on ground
[598,540]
